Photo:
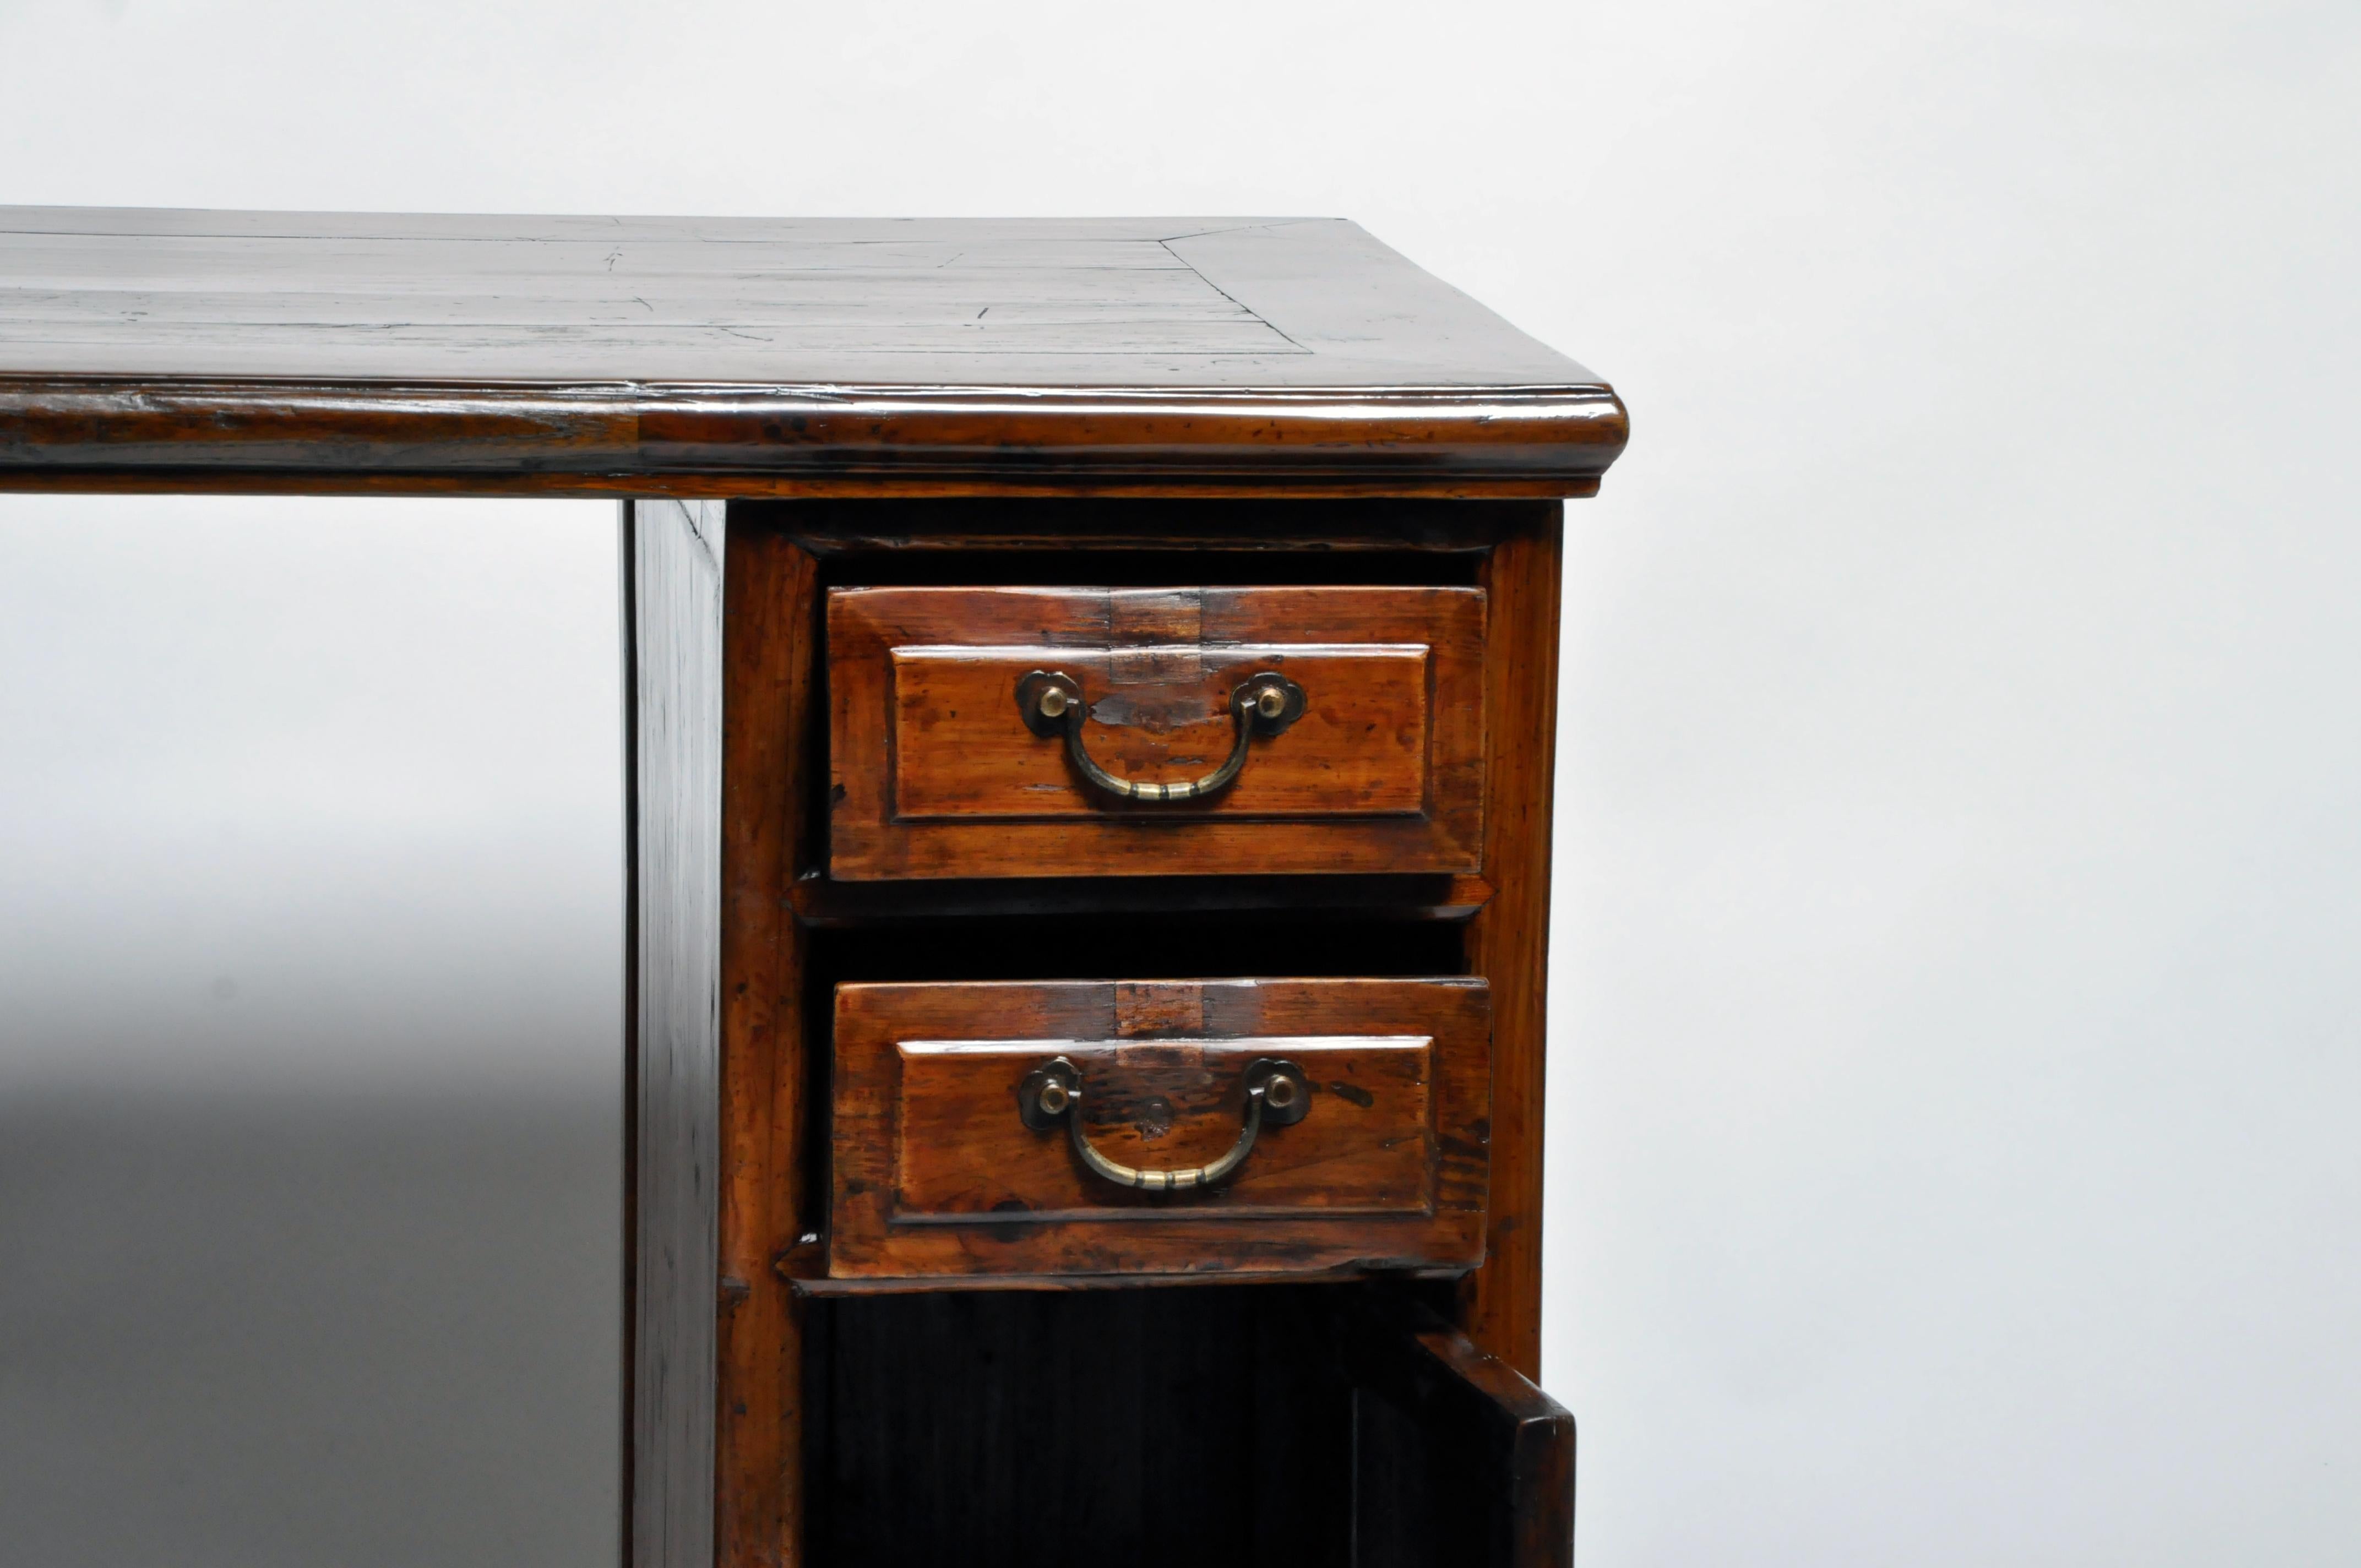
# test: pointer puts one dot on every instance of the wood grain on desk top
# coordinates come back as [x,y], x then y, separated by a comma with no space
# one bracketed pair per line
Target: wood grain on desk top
[941,354]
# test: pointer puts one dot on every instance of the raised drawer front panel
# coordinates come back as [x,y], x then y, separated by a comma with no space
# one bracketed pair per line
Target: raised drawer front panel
[1222,1126]
[1090,731]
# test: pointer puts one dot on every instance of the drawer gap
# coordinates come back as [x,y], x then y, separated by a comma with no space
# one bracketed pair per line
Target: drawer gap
[820,902]
[1140,947]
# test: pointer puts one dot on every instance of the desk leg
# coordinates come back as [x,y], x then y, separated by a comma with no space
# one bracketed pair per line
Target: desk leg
[1508,942]
[768,1074]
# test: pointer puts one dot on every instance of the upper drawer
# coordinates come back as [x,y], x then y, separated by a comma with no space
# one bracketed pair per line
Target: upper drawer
[986,732]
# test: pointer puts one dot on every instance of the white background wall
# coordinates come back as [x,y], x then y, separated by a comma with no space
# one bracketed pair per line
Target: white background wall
[1956,1065]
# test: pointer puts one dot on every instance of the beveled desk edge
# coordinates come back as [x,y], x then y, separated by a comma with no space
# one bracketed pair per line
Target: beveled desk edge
[117,433]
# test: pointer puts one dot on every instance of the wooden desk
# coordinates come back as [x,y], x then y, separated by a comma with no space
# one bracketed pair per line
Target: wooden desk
[1092,686]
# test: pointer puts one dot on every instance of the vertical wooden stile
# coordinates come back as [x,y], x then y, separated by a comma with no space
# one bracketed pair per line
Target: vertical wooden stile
[769,678]
[1508,942]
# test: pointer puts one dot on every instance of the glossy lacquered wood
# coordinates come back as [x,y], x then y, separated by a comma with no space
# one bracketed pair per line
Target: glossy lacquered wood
[771,1074]
[937,774]
[1508,941]
[1273,392]
[790,934]
[935,1172]
[738,355]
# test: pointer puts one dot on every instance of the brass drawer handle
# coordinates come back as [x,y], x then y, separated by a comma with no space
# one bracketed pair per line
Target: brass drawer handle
[1052,702]
[1277,1092]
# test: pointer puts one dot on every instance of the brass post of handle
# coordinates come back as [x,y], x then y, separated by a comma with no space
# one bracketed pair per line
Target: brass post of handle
[1277,1092]
[1263,704]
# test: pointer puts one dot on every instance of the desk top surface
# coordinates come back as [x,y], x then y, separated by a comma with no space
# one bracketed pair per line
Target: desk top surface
[735,355]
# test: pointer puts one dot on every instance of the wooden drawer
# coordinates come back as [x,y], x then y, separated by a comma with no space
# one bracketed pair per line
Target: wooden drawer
[1354,717]
[948,1159]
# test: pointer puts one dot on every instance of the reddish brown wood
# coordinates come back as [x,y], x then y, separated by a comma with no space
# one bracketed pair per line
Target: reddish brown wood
[176,481]
[1252,376]
[1159,715]
[936,774]
[961,1156]
[936,1174]
[768,671]
[735,352]
[1508,942]
[759,1460]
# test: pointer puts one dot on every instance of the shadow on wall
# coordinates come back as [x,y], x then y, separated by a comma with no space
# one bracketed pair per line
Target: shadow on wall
[310,1068]
[276,1326]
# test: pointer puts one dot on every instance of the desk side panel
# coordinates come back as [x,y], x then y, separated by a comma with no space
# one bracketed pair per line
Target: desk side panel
[673,558]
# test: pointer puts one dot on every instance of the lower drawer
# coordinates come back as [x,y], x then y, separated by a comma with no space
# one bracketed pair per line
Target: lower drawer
[1276,1127]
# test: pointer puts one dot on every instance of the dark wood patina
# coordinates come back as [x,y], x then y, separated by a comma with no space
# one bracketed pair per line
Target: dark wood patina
[211,350]
[1159,452]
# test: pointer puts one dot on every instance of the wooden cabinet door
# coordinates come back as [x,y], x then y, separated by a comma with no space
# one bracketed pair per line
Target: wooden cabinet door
[1338,1426]
[1457,1459]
